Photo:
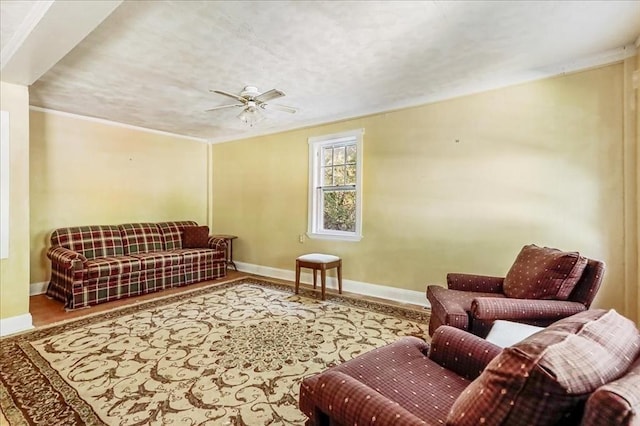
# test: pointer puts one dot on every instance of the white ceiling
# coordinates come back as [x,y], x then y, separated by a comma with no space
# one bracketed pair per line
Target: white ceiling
[152,63]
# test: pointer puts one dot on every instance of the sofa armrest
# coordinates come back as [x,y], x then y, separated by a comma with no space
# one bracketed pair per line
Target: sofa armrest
[68,259]
[523,310]
[216,243]
[347,401]
[479,283]
[461,352]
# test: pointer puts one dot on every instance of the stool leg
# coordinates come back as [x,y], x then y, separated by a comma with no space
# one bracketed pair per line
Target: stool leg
[315,276]
[297,275]
[340,277]
[323,276]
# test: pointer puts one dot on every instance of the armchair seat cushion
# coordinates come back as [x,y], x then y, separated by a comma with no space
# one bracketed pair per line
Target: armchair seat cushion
[452,307]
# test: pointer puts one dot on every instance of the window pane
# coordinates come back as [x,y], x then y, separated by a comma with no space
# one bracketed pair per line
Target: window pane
[327,155]
[340,211]
[350,178]
[327,174]
[351,154]
[338,175]
[338,155]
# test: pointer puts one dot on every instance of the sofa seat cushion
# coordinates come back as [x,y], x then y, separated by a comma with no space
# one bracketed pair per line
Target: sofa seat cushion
[158,259]
[108,266]
[452,307]
[196,255]
[141,238]
[616,403]
[401,372]
[544,379]
[543,273]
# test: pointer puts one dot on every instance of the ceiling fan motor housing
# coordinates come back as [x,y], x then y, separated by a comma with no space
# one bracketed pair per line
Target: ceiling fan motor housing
[249,92]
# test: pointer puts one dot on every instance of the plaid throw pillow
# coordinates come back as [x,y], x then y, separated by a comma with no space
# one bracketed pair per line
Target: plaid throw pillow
[544,379]
[195,237]
[543,273]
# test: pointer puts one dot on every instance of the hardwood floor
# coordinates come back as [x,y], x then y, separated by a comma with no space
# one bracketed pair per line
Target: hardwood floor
[45,311]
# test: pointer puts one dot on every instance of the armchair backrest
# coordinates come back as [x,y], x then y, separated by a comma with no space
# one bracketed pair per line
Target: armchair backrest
[588,285]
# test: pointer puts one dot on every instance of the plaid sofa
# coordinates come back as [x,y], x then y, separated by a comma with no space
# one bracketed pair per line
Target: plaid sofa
[95,264]
[581,370]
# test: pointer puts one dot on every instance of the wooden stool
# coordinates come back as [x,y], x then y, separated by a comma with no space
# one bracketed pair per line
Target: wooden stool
[322,262]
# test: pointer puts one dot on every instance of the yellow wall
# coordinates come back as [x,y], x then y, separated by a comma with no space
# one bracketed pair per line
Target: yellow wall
[14,271]
[535,163]
[89,173]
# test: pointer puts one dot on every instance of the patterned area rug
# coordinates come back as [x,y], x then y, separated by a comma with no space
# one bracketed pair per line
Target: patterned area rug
[227,354]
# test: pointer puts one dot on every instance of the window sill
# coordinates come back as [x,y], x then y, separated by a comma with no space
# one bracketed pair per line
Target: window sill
[335,237]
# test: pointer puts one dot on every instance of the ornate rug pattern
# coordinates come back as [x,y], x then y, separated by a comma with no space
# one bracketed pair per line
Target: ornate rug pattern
[227,354]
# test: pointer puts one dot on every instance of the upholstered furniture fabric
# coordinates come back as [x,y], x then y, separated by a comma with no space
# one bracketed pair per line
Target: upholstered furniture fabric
[546,377]
[543,273]
[473,302]
[195,237]
[95,264]
[616,403]
[398,384]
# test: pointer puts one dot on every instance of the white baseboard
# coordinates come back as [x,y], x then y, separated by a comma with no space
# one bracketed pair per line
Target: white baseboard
[15,324]
[358,287]
[38,288]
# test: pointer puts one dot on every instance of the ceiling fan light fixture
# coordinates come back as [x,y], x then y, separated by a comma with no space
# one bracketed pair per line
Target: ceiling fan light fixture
[251,115]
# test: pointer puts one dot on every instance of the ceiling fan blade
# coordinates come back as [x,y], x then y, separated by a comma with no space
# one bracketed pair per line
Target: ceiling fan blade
[231,95]
[283,108]
[267,96]
[224,106]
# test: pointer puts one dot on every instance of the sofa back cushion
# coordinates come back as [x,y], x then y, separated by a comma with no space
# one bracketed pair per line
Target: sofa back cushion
[172,233]
[90,241]
[141,238]
[545,379]
[543,273]
[616,403]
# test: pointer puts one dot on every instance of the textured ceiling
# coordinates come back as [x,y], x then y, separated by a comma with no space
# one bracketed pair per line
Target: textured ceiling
[152,63]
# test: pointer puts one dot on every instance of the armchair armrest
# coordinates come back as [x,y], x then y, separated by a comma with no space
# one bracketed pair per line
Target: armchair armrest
[217,243]
[480,283]
[523,310]
[461,352]
[68,259]
[349,402]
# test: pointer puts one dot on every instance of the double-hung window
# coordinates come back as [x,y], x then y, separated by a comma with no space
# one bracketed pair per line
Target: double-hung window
[335,186]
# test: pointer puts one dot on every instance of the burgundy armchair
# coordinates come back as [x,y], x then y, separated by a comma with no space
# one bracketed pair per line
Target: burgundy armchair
[399,384]
[462,379]
[543,286]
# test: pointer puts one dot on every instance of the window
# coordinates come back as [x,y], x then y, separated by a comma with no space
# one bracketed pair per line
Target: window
[335,186]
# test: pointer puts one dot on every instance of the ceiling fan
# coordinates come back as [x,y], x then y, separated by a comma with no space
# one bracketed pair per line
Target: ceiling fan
[252,101]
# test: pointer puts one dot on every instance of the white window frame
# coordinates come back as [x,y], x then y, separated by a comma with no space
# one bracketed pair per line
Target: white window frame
[315,179]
